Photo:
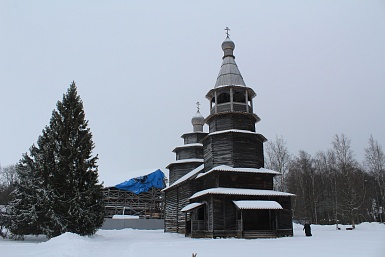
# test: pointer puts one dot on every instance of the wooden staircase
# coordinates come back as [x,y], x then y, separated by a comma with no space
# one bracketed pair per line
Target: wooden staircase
[251,234]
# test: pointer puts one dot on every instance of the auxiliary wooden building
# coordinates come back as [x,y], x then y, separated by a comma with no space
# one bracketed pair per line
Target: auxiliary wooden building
[218,184]
[140,197]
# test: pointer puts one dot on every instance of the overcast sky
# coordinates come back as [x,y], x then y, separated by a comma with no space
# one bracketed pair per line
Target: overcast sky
[318,68]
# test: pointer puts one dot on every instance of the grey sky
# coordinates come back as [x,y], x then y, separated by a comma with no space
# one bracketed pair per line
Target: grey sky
[318,68]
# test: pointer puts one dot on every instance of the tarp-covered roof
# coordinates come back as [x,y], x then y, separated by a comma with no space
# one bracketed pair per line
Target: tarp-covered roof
[143,183]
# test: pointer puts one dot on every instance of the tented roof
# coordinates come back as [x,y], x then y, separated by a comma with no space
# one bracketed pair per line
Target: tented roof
[229,73]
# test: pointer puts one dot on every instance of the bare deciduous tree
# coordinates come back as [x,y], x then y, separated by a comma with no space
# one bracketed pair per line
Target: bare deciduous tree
[351,181]
[7,182]
[278,158]
[375,165]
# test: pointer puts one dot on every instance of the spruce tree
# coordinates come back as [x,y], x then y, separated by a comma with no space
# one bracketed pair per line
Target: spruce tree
[26,213]
[68,194]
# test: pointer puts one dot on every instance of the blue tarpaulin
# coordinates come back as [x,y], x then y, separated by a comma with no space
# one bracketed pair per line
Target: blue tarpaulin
[143,183]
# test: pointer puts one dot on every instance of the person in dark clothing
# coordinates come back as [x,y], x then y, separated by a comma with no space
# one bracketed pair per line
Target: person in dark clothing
[307,229]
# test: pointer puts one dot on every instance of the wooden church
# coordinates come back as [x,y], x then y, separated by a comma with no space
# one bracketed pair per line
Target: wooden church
[218,186]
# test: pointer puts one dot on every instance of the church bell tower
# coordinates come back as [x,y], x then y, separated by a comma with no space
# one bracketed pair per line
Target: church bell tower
[232,138]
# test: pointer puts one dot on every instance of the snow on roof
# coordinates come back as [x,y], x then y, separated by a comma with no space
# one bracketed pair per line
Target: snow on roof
[234,131]
[190,206]
[239,191]
[251,170]
[186,161]
[250,205]
[125,217]
[193,132]
[188,145]
[185,177]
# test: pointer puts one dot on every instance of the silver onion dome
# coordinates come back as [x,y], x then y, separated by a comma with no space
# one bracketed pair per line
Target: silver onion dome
[198,121]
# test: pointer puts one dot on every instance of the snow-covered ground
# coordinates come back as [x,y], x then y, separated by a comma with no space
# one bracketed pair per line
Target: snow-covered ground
[367,239]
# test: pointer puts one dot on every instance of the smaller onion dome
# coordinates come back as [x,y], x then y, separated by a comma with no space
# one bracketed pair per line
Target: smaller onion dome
[198,121]
[228,47]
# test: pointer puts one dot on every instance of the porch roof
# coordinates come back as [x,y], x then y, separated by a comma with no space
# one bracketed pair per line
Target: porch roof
[257,204]
[191,206]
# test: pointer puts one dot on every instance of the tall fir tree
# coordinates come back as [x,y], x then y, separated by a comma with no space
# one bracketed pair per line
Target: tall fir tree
[68,192]
[27,210]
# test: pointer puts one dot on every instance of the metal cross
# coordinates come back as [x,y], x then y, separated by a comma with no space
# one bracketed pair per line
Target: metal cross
[198,106]
[227,31]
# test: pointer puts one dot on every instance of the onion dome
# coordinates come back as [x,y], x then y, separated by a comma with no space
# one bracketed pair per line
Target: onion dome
[198,121]
[228,47]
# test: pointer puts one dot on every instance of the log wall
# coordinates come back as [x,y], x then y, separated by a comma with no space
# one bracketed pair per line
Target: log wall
[222,215]
[193,152]
[192,138]
[226,121]
[178,170]
[236,180]
[233,149]
[175,199]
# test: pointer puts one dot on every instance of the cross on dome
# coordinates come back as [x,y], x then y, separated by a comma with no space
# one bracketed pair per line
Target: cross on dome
[227,31]
[198,104]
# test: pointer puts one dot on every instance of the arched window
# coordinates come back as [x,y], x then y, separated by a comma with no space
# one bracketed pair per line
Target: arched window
[239,97]
[223,98]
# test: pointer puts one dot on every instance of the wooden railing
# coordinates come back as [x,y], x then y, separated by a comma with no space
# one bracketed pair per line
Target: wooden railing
[198,225]
[239,225]
[237,107]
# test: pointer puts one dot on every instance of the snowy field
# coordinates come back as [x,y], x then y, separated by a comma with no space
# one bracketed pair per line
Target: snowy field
[367,240]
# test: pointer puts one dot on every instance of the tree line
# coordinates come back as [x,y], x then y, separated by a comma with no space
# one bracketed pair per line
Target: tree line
[331,187]
[54,188]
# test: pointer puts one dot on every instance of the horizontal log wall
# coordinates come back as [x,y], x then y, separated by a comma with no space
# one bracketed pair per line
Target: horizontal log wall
[193,152]
[178,170]
[192,138]
[222,214]
[245,180]
[236,180]
[171,211]
[285,216]
[175,199]
[248,150]
[218,150]
[226,121]
[233,149]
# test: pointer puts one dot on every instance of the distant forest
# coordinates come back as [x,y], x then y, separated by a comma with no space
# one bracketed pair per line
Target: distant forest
[331,186]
